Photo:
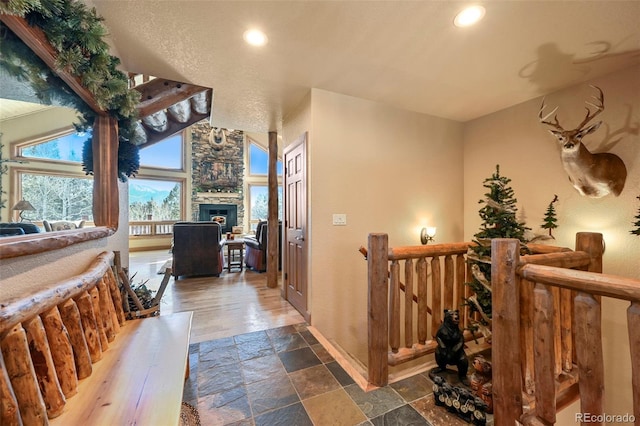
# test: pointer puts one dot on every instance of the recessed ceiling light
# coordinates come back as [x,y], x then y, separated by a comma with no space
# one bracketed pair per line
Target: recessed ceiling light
[255,37]
[469,16]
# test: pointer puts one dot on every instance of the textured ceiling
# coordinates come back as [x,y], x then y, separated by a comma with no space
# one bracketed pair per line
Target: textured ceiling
[405,54]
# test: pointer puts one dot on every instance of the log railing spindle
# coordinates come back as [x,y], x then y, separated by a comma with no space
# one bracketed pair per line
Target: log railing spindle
[61,351]
[9,411]
[408,303]
[394,307]
[436,295]
[423,308]
[44,367]
[15,351]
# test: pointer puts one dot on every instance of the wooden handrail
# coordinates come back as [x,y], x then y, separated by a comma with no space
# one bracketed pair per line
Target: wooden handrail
[416,252]
[597,284]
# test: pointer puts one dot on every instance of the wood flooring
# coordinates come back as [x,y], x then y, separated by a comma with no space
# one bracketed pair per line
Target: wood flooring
[235,303]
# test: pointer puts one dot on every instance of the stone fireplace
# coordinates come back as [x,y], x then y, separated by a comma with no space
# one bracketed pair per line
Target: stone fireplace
[217,175]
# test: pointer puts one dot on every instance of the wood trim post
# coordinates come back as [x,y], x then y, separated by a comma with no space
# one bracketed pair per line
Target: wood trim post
[507,379]
[272,213]
[106,206]
[378,332]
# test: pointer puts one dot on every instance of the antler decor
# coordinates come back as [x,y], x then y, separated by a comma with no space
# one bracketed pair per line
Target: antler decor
[593,175]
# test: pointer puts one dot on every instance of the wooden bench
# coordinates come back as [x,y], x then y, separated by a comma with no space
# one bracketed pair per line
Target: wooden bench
[68,356]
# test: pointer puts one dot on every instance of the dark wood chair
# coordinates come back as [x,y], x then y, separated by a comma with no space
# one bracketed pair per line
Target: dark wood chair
[197,249]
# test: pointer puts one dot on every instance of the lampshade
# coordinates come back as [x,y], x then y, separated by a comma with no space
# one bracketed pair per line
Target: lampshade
[23,205]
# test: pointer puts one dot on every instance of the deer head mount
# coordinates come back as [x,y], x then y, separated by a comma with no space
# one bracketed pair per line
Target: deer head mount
[593,175]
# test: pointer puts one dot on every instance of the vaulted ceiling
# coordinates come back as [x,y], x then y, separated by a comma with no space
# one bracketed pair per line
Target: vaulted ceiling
[406,54]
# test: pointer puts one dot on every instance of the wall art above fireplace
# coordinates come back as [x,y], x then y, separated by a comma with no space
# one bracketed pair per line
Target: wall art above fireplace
[220,175]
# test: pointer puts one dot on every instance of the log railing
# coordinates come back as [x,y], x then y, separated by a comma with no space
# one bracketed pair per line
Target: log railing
[51,339]
[409,287]
[564,335]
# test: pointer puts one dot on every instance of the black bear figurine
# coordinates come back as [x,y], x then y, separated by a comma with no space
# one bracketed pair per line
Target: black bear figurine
[450,350]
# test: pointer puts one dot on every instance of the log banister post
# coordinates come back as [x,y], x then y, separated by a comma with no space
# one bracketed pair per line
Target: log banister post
[378,332]
[543,343]
[591,243]
[507,382]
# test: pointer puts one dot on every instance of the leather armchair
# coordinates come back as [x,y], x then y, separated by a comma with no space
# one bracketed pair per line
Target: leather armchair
[18,228]
[197,249]
[256,248]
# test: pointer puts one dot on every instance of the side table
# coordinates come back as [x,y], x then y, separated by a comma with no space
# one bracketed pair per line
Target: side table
[235,250]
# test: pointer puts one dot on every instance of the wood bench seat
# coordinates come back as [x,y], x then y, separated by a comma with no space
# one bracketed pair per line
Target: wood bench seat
[139,380]
[69,357]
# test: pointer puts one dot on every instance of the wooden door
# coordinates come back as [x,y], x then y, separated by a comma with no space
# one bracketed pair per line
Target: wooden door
[295,225]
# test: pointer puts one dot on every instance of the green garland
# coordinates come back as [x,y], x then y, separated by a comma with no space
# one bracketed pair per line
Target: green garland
[76,33]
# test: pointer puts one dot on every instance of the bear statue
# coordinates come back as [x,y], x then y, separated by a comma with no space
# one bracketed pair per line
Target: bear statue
[450,350]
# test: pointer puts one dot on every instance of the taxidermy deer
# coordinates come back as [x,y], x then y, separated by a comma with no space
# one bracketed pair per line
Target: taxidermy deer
[593,175]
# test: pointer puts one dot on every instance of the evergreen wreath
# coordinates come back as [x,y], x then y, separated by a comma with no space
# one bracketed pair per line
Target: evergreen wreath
[76,33]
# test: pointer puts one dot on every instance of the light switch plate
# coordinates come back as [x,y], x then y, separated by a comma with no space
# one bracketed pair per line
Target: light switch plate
[339,219]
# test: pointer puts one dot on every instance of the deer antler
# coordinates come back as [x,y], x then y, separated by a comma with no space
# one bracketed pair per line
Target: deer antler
[599,107]
[543,120]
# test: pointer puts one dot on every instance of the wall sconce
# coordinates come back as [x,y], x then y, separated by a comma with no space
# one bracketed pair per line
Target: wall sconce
[427,234]
[21,206]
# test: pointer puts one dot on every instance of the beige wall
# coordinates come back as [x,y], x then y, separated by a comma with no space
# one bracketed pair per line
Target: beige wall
[530,156]
[389,171]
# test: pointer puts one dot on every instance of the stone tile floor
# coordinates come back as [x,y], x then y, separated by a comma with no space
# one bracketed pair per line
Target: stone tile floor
[283,376]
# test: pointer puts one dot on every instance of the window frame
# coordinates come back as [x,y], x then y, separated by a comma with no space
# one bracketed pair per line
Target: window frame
[17,147]
[16,178]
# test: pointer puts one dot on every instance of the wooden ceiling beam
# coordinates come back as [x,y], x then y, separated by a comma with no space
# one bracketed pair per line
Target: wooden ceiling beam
[159,94]
[36,39]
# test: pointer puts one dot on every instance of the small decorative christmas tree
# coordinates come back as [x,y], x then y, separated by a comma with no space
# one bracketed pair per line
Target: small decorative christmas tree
[550,218]
[499,221]
[637,222]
